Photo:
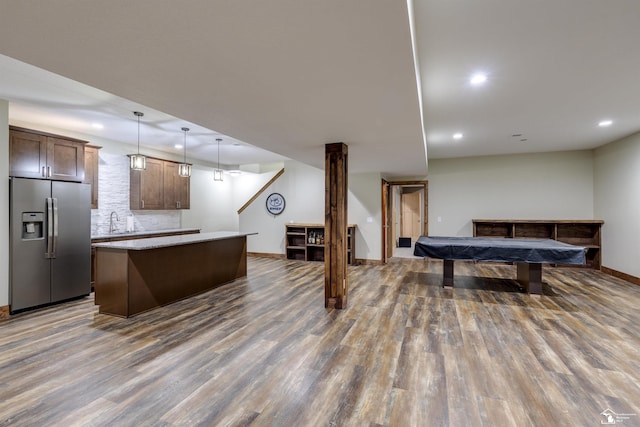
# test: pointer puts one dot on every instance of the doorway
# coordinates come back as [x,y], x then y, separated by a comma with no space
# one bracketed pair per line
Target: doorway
[411,213]
[404,216]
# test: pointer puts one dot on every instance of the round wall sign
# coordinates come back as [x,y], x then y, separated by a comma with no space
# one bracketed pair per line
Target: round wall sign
[275,203]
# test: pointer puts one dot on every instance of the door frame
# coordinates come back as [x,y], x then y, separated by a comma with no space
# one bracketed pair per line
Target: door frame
[387,206]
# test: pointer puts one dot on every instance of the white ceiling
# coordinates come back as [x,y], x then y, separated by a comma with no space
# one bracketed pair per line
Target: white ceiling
[290,76]
[51,101]
[555,70]
[287,76]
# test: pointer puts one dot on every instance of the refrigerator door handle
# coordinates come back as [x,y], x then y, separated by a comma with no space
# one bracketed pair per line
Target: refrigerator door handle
[49,228]
[55,227]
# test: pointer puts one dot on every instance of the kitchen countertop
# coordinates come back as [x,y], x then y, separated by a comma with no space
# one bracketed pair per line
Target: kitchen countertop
[142,233]
[161,242]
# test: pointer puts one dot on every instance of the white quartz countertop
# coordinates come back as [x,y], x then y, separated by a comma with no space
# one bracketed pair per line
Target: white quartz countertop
[160,242]
[142,233]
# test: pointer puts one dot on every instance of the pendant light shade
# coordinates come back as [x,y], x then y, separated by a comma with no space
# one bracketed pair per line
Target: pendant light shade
[184,169]
[217,173]
[138,161]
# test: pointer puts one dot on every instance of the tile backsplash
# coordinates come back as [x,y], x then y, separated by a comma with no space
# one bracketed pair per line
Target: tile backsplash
[113,196]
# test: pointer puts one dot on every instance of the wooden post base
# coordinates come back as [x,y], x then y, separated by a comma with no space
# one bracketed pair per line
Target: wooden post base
[338,303]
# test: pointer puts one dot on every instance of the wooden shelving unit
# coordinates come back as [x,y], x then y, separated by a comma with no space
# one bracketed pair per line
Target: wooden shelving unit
[305,242]
[585,233]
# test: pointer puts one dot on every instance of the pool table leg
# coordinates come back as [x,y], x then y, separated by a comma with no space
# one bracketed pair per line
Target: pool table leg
[447,273]
[530,276]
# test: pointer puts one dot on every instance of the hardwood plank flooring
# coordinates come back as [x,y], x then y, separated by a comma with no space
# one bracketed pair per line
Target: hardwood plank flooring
[263,351]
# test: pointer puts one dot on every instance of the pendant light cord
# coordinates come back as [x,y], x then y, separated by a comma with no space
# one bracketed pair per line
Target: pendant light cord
[218,140]
[185,144]
[138,114]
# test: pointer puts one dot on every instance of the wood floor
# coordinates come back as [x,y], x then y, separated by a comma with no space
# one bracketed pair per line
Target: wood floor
[263,351]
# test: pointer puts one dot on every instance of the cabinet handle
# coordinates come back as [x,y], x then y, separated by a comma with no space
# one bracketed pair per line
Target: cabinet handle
[48,171]
[44,175]
[142,204]
[178,205]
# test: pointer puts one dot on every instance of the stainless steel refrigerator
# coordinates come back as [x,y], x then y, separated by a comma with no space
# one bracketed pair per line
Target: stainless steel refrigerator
[49,242]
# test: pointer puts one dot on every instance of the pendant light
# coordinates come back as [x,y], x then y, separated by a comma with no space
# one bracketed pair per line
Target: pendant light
[217,173]
[185,169]
[138,162]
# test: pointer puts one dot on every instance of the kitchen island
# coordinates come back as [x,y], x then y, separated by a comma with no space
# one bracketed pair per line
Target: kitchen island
[133,276]
[130,235]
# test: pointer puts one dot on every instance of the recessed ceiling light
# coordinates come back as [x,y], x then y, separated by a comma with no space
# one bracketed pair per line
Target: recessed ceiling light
[178,146]
[97,125]
[478,79]
[457,135]
[605,123]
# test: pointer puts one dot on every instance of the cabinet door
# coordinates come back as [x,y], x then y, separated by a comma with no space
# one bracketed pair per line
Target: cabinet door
[152,185]
[171,197]
[27,154]
[65,159]
[176,188]
[91,161]
[184,196]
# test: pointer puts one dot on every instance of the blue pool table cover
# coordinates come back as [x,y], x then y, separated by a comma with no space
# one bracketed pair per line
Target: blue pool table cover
[499,249]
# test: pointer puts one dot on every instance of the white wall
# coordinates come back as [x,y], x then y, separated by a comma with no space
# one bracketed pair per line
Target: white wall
[4,196]
[617,202]
[212,207]
[531,186]
[364,205]
[215,204]
[303,189]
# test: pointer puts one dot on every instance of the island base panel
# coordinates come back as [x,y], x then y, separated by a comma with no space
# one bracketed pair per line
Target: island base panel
[111,293]
[156,277]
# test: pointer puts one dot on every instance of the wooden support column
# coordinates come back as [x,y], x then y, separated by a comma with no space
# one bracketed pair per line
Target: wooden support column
[335,226]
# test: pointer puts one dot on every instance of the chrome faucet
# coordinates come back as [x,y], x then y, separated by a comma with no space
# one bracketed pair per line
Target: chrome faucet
[113,226]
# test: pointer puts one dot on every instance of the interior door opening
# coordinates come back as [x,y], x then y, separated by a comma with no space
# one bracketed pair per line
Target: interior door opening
[405,216]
